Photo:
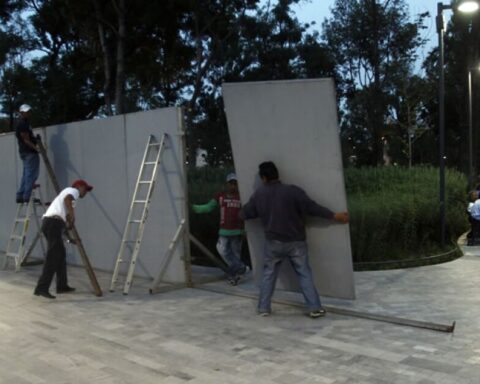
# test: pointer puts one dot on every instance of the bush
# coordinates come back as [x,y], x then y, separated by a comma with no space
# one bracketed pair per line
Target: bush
[394,211]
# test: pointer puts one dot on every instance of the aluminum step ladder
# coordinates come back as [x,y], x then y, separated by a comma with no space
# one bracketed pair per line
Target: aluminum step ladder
[16,242]
[138,213]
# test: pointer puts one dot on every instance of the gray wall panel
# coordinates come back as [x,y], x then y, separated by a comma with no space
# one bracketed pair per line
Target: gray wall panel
[9,184]
[93,150]
[294,124]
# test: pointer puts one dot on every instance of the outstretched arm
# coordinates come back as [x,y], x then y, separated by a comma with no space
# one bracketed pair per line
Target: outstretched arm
[205,208]
[311,208]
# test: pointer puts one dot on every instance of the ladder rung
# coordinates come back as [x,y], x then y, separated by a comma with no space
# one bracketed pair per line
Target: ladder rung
[140,201]
[150,162]
[154,145]
[145,182]
[16,237]
[135,221]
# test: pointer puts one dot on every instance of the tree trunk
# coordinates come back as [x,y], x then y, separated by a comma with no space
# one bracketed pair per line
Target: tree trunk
[197,87]
[377,110]
[107,60]
[120,62]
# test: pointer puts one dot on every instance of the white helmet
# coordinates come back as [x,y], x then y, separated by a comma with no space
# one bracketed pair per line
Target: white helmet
[25,108]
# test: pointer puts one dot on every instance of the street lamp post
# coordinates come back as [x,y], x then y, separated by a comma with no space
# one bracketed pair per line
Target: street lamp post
[471,170]
[470,129]
[465,6]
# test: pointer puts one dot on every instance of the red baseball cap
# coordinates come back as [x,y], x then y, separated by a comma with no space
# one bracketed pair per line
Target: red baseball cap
[82,183]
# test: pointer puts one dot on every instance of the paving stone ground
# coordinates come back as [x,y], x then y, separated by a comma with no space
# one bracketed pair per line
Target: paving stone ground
[200,337]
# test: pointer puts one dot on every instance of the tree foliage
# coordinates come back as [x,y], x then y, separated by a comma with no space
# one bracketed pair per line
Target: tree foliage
[75,60]
[374,47]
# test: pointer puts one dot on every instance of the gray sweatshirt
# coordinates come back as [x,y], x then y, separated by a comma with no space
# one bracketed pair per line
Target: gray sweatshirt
[283,209]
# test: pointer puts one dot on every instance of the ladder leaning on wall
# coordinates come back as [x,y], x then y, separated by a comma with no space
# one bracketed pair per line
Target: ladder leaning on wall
[137,217]
[138,213]
[16,245]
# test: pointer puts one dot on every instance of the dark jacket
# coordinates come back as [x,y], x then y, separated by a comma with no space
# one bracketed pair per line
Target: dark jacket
[23,125]
[283,209]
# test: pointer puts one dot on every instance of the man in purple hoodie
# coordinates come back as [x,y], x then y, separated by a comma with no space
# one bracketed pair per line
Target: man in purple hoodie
[283,209]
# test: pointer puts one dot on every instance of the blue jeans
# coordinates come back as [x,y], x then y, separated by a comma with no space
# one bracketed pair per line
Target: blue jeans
[31,169]
[297,254]
[230,248]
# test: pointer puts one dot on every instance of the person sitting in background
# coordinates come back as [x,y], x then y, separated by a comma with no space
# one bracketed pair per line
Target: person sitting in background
[231,232]
[473,209]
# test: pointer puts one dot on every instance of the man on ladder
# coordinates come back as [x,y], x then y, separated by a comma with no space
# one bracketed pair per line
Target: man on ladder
[59,216]
[28,153]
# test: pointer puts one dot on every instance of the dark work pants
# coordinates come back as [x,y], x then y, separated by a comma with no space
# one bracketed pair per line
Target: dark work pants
[55,262]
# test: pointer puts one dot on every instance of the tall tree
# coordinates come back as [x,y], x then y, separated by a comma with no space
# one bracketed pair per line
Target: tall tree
[268,44]
[462,52]
[373,43]
[13,46]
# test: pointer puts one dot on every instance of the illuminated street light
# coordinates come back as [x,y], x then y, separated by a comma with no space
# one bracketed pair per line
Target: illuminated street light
[468,6]
[464,6]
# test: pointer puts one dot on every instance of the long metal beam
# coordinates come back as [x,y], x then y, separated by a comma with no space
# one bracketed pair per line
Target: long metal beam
[342,311]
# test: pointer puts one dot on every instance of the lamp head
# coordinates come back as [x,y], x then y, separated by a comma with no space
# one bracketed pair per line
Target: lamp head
[468,6]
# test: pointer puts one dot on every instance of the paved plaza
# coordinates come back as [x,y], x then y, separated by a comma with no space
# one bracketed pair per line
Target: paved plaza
[197,336]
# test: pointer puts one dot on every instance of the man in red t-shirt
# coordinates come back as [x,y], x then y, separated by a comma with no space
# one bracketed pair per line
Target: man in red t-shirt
[231,230]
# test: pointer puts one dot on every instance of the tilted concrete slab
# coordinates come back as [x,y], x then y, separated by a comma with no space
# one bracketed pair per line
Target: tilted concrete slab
[294,124]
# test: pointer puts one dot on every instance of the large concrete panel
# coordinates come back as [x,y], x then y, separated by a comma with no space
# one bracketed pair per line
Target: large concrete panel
[108,153]
[10,182]
[93,150]
[294,124]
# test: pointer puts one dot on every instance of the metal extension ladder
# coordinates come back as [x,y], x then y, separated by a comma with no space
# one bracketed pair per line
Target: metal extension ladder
[140,204]
[16,242]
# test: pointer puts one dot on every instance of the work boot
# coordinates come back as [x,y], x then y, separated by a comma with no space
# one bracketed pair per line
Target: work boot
[66,289]
[45,294]
[317,313]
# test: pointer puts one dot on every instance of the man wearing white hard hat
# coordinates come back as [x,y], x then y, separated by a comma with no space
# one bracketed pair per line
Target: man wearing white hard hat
[27,148]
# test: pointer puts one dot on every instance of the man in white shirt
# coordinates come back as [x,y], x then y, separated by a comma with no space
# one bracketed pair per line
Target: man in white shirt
[474,205]
[60,215]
